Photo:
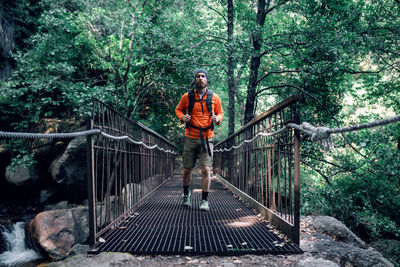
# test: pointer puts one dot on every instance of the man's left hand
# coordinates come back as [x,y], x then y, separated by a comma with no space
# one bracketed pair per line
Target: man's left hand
[215,118]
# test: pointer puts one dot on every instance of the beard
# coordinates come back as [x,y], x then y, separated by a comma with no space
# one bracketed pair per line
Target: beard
[200,86]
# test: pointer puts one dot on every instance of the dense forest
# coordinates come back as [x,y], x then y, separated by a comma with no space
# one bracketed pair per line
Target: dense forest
[139,56]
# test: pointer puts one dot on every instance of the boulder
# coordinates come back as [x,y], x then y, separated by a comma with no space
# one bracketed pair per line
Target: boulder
[69,170]
[23,176]
[46,150]
[327,238]
[55,232]
[343,254]
[334,228]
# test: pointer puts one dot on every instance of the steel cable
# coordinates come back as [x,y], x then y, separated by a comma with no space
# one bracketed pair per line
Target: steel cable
[321,134]
[78,134]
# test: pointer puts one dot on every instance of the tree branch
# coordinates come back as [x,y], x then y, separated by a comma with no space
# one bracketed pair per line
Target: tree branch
[318,171]
[219,13]
[276,72]
[350,71]
[216,37]
[274,86]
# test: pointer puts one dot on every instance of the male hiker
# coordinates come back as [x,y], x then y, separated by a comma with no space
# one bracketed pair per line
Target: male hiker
[199,109]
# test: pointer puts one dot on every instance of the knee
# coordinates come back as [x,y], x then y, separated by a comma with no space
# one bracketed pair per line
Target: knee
[187,171]
[205,170]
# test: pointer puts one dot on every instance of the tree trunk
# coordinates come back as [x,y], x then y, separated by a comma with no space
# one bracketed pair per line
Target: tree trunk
[231,74]
[255,62]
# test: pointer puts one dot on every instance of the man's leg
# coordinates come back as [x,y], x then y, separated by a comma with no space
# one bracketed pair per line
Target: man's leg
[189,159]
[206,165]
[186,181]
[187,173]
[206,180]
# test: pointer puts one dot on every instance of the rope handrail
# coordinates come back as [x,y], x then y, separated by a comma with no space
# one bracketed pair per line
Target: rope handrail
[321,134]
[78,134]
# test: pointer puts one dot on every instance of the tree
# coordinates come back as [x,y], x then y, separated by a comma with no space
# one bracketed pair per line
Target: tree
[263,8]
[231,66]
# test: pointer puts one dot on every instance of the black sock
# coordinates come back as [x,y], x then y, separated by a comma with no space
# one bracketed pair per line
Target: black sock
[186,190]
[204,195]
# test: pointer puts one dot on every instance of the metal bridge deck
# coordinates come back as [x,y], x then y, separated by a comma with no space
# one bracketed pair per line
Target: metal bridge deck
[160,225]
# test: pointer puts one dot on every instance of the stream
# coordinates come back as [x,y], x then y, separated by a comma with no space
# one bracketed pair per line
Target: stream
[16,250]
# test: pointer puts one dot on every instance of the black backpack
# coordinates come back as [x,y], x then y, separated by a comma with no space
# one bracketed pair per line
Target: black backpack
[192,99]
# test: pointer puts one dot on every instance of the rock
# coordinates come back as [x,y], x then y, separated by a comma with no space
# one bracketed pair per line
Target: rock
[389,248]
[79,249]
[85,202]
[100,260]
[46,149]
[23,176]
[69,170]
[81,219]
[334,228]
[56,232]
[3,242]
[60,205]
[344,254]
[46,194]
[316,262]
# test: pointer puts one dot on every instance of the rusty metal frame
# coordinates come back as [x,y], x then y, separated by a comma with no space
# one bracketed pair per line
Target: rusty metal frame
[121,173]
[266,172]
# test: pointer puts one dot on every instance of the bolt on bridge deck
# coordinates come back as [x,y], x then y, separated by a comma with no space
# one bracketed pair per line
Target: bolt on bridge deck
[161,225]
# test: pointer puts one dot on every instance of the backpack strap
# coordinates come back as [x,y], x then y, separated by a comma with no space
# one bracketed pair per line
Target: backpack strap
[209,101]
[191,105]
[209,105]
[191,101]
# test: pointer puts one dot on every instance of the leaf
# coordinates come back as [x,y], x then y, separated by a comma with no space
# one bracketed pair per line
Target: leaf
[102,240]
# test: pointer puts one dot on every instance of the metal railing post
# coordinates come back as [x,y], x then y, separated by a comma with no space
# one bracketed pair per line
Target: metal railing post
[296,223]
[91,188]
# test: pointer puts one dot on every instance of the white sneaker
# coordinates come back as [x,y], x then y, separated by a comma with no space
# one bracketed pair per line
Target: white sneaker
[204,205]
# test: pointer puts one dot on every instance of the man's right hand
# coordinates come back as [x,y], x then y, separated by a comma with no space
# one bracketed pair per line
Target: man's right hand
[186,118]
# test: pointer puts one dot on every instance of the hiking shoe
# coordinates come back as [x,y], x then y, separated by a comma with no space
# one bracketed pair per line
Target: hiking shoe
[186,200]
[204,205]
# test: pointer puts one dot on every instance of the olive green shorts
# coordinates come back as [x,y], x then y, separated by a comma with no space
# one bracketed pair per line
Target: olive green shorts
[192,150]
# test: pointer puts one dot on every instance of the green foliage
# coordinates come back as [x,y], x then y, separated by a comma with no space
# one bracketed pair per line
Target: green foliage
[369,206]
[140,57]
[364,190]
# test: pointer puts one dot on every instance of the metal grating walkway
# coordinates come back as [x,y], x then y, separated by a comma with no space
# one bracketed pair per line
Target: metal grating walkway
[160,225]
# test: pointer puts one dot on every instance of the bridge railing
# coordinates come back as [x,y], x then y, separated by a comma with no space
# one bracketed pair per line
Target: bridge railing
[122,171]
[266,170]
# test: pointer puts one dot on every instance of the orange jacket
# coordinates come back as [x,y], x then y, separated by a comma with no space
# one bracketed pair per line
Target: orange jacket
[198,119]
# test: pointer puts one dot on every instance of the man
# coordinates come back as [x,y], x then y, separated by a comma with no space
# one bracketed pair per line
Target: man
[198,135]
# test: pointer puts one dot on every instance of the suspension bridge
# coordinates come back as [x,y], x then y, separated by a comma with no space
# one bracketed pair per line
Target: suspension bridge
[135,196]
[135,191]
